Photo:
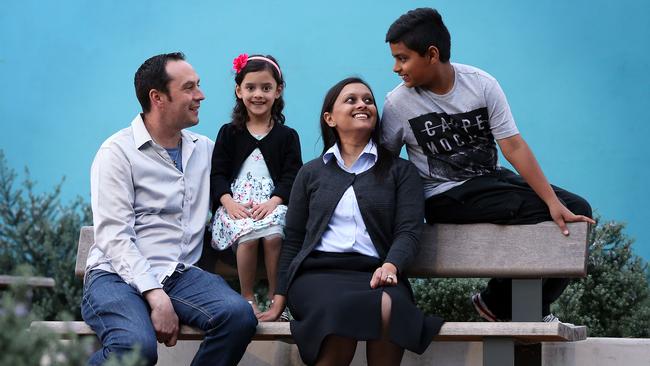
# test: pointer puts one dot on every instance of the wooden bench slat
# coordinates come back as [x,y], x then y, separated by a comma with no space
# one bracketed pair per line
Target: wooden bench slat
[507,251]
[6,281]
[474,250]
[450,331]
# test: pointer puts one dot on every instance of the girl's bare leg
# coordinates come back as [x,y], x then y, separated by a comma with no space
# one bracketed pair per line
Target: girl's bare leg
[247,270]
[272,247]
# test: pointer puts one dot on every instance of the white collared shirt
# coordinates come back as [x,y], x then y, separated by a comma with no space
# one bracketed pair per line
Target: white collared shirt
[148,216]
[346,231]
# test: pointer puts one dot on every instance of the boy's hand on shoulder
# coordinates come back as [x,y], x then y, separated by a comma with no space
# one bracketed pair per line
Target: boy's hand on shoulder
[264,209]
[561,215]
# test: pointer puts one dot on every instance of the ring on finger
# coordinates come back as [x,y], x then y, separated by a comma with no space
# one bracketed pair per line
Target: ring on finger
[390,278]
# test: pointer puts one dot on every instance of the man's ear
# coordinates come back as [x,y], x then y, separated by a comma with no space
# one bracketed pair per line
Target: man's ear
[156,97]
[434,54]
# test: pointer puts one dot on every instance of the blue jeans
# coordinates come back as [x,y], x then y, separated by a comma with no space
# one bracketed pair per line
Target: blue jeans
[119,315]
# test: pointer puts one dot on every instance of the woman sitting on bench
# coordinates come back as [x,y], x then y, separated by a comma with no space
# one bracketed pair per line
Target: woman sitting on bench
[353,225]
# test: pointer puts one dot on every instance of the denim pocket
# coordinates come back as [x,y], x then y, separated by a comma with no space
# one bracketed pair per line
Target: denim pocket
[92,276]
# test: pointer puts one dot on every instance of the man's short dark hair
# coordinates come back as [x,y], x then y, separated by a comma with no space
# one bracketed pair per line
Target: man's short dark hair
[420,29]
[152,75]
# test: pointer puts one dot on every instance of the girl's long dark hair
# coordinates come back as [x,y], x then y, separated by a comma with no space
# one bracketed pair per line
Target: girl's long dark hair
[239,113]
[331,137]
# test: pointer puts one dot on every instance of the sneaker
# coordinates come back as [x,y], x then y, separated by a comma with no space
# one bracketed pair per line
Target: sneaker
[285,316]
[551,318]
[482,309]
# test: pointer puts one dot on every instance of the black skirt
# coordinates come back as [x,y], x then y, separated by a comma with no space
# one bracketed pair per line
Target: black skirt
[331,295]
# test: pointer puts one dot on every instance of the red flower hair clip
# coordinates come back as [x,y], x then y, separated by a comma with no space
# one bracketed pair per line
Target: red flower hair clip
[239,62]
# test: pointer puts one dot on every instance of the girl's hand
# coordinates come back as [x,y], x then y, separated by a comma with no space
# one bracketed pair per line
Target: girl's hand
[561,215]
[263,209]
[274,312]
[235,209]
[386,275]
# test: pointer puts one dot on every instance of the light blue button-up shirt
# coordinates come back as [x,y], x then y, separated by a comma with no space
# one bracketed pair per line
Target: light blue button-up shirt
[148,216]
[346,231]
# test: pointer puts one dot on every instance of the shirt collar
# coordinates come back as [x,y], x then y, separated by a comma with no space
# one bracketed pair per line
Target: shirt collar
[370,150]
[141,136]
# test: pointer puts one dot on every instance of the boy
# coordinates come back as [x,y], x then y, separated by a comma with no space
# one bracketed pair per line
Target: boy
[449,116]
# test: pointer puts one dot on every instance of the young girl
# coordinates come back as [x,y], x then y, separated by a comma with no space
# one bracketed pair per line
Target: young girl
[255,160]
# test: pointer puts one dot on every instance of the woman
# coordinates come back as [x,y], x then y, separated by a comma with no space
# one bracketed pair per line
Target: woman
[352,227]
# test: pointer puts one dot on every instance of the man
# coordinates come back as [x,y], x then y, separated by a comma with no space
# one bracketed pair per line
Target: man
[150,186]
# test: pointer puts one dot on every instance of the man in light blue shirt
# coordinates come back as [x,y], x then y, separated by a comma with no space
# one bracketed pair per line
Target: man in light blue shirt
[150,186]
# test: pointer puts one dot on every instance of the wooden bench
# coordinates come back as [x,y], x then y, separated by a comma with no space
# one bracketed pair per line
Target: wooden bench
[30,281]
[526,253]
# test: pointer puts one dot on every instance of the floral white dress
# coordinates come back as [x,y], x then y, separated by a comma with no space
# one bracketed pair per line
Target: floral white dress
[253,185]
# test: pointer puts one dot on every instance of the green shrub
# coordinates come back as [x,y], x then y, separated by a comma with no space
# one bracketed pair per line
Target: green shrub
[36,229]
[22,346]
[447,297]
[614,299]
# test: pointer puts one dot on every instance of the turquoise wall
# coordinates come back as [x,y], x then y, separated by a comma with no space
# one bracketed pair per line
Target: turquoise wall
[576,74]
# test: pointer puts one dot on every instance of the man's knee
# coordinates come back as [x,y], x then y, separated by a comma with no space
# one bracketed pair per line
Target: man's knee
[237,315]
[145,344]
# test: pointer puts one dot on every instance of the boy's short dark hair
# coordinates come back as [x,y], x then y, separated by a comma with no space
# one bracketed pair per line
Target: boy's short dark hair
[152,74]
[419,29]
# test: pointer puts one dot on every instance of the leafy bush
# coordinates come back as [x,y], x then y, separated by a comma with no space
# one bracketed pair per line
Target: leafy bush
[614,299]
[448,297]
[36,229]
[22,346]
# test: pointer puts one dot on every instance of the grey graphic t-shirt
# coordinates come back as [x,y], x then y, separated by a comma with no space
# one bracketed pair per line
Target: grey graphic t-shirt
[450,138]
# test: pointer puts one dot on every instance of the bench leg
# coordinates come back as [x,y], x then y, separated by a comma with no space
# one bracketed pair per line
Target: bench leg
[527,300]
[527,307]
[498,352]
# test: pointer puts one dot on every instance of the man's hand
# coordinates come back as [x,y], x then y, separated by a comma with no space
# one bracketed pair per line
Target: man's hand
[163,316]
[386,275]
[263,209]
[561,215]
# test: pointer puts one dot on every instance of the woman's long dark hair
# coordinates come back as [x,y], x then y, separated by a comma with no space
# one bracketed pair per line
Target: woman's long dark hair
[239,112]
[331,137]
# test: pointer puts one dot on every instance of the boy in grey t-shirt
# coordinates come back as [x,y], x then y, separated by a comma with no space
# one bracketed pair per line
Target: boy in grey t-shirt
[451,117]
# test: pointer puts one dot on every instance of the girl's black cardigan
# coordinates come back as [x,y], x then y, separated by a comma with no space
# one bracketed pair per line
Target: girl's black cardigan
[281,151]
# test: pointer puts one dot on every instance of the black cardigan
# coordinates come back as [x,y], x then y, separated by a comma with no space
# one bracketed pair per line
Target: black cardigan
[281,151]
[392,209]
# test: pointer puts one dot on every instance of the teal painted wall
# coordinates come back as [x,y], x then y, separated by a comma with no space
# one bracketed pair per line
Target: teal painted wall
[576,74]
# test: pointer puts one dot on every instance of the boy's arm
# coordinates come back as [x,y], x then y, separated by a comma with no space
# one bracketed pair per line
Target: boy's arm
[392,129]
[517,152]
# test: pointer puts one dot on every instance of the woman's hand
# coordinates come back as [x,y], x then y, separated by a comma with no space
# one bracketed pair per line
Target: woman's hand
[263,209]
[235,209]
[274,312]
[386,275]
